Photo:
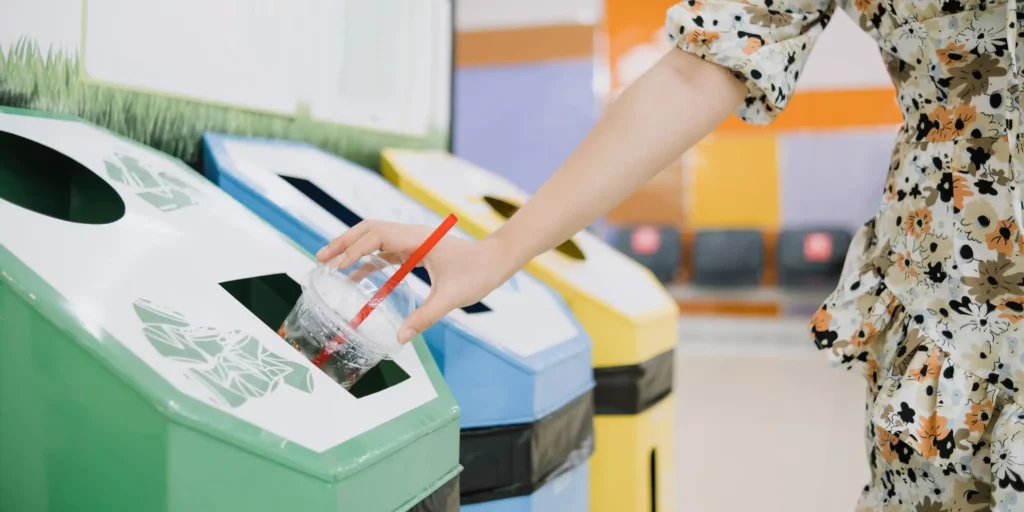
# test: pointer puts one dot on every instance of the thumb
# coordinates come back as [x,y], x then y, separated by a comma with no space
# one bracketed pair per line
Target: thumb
[429,313]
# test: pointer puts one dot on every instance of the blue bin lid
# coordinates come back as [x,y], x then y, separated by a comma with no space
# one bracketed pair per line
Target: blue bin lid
[515,357]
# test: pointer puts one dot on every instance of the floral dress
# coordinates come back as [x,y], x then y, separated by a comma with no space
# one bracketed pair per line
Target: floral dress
[930,306]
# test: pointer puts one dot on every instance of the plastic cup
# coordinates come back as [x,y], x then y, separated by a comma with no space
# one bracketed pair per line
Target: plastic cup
[330,299]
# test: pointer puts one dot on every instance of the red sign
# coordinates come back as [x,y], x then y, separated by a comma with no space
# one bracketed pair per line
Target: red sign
[646,240]
[817,247]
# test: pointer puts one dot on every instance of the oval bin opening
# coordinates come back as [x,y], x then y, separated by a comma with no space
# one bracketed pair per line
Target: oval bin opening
[270,298]
[43,180]
[507,210]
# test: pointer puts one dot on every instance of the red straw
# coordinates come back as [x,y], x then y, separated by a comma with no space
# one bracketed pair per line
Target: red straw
[390,284]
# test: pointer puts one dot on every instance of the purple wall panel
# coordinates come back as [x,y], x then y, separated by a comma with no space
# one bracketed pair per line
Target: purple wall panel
[522,121]
[833,179]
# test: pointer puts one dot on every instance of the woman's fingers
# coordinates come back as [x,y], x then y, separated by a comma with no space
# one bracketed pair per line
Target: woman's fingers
[338,245]
[371,235]
[367,244]
[429,313]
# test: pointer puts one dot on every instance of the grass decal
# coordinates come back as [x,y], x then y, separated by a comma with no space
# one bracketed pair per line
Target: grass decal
[50,81]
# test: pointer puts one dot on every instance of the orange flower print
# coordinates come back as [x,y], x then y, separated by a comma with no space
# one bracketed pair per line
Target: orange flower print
[952,55]
[979,416]
[963,119]
[701,37]
[1012,309]
[862,5]
[1003,237]
[864,336]
[886,442]
[905,264]
[919,222]
[961,189]
[941,119]
[932,429]
[820,320]
[927,371]
[753,45]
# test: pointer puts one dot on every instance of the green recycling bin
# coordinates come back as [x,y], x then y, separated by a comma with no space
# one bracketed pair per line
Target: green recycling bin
[139,364]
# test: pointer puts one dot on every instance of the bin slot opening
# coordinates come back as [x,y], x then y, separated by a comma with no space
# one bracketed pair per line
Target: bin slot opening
[43,180]
[271,297]
[507,210]
[479,307]
[654,480]
[350,219]
[387,373]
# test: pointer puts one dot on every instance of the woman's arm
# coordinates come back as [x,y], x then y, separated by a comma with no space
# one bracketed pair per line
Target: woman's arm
[664,113]
[668,110]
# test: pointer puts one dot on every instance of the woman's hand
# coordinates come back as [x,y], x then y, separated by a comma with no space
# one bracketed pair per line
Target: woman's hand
[462,272]
[671,107]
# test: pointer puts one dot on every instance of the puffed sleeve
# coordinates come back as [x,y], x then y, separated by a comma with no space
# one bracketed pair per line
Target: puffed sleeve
[765,43]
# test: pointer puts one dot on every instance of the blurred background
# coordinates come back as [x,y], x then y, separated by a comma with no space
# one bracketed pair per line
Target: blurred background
[747,230]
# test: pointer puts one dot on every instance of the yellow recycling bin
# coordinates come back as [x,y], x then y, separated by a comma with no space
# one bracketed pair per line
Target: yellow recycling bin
[628,314]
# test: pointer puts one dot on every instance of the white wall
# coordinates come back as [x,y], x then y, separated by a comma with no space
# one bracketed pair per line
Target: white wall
[844,58]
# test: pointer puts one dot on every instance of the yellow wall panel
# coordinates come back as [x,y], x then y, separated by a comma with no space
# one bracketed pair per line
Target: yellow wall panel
[733,182]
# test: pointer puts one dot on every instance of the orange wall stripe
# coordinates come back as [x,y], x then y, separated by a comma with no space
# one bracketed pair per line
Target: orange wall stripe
[524,45]
[828,110]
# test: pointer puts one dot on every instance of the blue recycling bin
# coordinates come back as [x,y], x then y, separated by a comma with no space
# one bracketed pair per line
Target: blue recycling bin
[518,362]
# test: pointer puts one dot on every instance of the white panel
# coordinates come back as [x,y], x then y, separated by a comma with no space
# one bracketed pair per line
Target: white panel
[443,58]
[844,58]
[238,52]
[367,63]
[373,65]
[55,24]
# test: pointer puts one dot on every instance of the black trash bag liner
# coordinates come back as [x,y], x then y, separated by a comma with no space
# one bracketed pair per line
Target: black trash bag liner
[516,460]
[444,499]
[635,388]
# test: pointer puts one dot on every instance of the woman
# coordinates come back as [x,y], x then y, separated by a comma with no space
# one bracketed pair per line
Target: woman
[931,302]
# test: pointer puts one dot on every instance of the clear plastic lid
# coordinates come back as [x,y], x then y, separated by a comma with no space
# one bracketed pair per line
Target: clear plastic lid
[336,296]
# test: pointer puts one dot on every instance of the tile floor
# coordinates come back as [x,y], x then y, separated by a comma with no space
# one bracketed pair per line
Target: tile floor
[763,424]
